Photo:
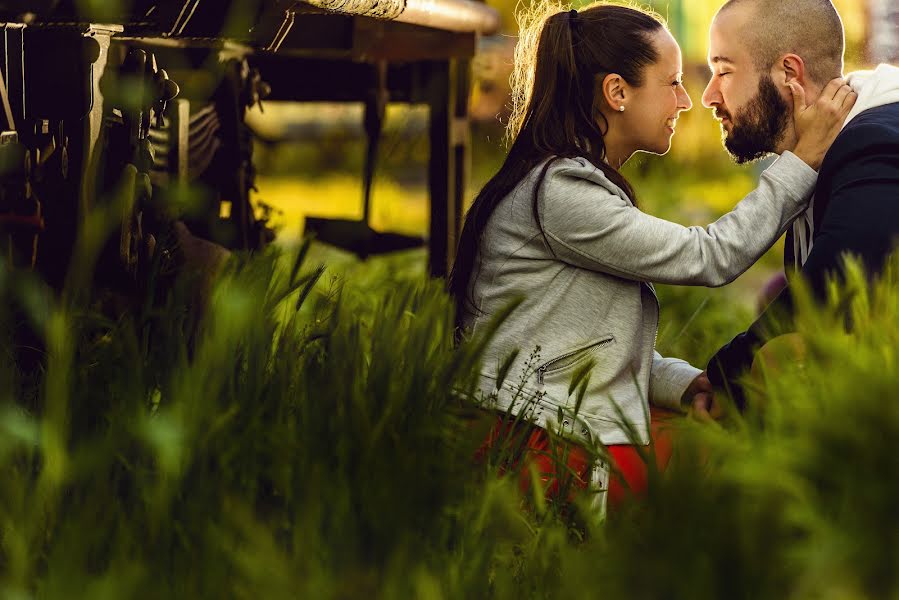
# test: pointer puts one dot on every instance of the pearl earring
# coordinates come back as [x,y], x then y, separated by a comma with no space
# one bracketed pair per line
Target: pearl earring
[621,108]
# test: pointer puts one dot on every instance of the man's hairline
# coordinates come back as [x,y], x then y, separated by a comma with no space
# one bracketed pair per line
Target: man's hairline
[728,59]
[760,71]
[747,6]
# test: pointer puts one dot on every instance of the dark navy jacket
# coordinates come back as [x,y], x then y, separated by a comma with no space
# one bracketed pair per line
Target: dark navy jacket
[856,211]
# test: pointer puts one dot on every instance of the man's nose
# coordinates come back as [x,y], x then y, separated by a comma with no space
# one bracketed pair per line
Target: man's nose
[712,95]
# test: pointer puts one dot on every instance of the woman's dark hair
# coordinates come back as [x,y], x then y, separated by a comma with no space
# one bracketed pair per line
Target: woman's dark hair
[560,63]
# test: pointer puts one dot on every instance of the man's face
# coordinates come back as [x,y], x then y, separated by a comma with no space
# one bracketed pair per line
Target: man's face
[754,115]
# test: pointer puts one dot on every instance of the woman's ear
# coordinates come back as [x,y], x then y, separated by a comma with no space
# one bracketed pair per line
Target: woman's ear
[613,90]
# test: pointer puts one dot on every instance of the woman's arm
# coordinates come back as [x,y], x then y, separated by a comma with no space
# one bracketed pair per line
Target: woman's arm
[589,226]
[669,379]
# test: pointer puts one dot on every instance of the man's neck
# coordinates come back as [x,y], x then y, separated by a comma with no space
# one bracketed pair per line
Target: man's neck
[812,93]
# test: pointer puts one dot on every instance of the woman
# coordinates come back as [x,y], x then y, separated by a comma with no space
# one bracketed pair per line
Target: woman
[558,228]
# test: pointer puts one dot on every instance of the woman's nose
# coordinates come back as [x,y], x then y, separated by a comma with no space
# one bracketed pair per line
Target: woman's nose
[684,101]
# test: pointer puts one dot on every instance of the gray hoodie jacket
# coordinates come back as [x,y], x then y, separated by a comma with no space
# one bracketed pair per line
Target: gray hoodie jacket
[587,291]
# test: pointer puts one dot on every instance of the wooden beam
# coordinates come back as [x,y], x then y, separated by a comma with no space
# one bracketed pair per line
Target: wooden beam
[363,39]
[386,40]
[449,162]
[461,143]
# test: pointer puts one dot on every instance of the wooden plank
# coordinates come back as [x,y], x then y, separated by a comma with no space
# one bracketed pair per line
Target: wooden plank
[387,40]
[450,159]
[441,163]
[363,39]
[461,142]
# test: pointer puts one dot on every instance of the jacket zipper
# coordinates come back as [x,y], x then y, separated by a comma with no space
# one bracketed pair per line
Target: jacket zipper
[655,338]
[542,370]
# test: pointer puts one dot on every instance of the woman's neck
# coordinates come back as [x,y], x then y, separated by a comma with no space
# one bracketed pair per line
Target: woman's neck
[616,154]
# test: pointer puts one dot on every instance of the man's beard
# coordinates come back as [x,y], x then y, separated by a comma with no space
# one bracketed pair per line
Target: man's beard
[761,127]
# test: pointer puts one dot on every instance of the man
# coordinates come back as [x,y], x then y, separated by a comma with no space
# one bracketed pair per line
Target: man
[757,49]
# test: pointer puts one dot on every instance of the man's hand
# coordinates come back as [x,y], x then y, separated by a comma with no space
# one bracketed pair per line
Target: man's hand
[699,399]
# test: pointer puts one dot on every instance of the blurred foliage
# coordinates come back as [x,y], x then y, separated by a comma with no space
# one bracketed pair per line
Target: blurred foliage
[302,434]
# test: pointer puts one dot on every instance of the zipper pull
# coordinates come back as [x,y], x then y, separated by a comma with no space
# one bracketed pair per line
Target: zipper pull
[540,372]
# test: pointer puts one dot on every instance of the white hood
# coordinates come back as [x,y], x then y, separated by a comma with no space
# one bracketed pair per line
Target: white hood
[874,88]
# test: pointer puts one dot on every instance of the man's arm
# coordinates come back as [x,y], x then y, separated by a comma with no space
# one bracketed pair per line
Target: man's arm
[861,218]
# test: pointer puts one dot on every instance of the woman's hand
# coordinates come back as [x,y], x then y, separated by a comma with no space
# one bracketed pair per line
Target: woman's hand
[819,124]
[699,399]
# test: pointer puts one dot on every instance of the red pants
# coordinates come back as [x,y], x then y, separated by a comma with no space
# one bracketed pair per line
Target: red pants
[528,444]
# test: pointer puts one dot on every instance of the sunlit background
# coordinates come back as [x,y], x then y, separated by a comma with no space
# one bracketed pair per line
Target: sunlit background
[310,157]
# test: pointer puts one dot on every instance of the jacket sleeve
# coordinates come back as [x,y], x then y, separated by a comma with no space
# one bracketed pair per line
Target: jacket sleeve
[669,379]
[861,218]
[604,232]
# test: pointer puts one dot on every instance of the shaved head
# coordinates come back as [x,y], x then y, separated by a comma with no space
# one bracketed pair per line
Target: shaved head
[811,29]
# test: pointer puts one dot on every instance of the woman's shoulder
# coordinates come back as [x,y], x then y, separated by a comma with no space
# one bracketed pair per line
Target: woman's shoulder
[565,175]
[563,165]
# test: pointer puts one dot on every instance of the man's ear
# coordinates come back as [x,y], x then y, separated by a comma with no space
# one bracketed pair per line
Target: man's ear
[789,68]
[614,90]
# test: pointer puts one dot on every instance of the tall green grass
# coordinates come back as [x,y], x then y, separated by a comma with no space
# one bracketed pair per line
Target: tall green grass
[303,436]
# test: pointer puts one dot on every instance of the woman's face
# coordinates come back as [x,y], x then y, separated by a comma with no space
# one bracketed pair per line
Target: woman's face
[651,110]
